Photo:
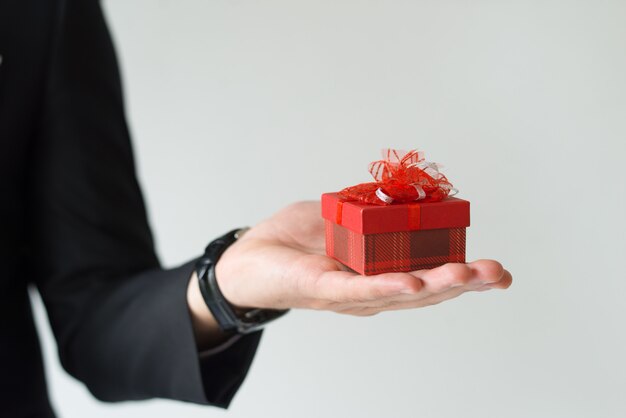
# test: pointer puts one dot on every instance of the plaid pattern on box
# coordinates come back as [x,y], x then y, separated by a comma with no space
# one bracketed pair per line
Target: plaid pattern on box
[395,251]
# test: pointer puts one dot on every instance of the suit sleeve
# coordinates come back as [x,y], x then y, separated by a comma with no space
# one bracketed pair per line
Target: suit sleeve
[121,321]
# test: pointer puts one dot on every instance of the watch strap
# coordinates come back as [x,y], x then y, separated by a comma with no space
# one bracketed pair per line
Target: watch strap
[228,318]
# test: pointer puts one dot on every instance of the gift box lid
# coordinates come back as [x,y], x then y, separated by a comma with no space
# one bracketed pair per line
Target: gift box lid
[374,219]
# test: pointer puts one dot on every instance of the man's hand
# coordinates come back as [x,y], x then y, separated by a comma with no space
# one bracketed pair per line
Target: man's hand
[281,263]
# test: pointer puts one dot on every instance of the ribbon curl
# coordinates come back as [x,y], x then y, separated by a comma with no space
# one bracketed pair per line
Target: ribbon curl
[401,177]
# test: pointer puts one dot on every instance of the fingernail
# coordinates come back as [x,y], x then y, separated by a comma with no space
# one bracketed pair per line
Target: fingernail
[456,285]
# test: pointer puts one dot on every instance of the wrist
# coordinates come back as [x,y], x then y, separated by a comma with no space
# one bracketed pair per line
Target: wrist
[229,316]
[207,332]
[225,275]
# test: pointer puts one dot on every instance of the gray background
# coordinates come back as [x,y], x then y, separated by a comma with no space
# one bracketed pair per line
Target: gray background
[261,103]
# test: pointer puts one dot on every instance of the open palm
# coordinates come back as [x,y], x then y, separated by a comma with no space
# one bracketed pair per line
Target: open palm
[281,263]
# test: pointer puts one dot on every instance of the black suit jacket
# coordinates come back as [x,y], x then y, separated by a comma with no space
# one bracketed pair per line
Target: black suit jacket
[73,223]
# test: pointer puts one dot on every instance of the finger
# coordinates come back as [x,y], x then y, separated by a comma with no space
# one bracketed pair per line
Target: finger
[425,298]
[299,225]
[384,291]
[487,271]
[433,299]
[452,275]
[415,304]
[449,281]
[486,275]
[347,290]
[430,300]
[448,276]
[504,283]
[444,280]
[350,288]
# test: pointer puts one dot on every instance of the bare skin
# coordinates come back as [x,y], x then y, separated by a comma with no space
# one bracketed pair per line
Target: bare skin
[281,263]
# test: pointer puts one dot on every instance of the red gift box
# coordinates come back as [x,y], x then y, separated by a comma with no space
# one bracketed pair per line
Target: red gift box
[375,235]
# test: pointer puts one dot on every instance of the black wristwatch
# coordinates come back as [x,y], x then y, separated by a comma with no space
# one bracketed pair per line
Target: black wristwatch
[228,318]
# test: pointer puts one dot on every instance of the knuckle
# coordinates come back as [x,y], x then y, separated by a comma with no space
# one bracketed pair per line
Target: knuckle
[458,273]
[493,269]
[506,283]
[414,285]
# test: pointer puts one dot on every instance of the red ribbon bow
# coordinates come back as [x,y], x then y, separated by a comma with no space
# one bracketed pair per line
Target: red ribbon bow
[401,177]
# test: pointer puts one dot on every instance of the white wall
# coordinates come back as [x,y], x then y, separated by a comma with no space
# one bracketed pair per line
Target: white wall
[260,103]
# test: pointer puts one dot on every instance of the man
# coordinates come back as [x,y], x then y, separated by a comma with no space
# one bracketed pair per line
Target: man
[73,223]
